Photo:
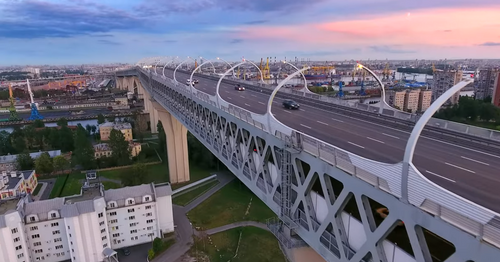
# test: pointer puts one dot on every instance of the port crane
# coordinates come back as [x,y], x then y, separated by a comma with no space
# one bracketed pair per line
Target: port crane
[34,107]
[12,109]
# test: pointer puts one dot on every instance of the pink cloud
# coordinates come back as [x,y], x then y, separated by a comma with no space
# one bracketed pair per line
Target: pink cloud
[435,27]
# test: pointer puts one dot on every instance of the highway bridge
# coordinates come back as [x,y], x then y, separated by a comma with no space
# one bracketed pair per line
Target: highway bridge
[292,160]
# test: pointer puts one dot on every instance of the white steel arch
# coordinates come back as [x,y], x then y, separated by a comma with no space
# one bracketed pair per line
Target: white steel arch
[417,130]
[383,103]
[165,66]
[179,65]
[306,90]
[210,62]
[194,71]
[160,59]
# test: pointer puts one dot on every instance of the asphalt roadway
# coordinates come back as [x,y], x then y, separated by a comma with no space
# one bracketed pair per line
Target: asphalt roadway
[467,172]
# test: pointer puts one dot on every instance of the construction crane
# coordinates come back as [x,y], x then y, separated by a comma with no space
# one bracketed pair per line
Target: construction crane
[340,93]
[12,109]
[387,72]
[267,71]
[362,91]
[34,107]
[433,68]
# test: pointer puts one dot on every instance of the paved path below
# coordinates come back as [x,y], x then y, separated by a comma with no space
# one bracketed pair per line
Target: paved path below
[184,230]
[40,192]
[48,188]
[235,225]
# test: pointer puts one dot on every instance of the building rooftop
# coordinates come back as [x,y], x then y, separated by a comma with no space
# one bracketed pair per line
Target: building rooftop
[12,158]
[101,147]
[118,126]
[88,193]
[6,205]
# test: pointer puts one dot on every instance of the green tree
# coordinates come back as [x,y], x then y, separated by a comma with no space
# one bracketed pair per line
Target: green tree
[43,164]
[120,147]
[60,163]
[66,139]
[38,123]
[157,245]
[162,138]
[5,143]
[62,122]
[84,151]
[93,129]
[137,175]
[29,136]
[111,119]
[151,254]
[19,144]
[89,129]
[24,161]
[100,119]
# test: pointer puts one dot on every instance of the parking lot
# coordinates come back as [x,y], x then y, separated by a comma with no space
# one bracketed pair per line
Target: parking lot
[138,253]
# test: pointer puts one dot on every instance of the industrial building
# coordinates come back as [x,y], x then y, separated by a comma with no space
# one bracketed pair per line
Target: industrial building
[85,228]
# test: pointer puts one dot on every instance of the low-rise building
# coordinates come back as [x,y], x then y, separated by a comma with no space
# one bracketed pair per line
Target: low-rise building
[87,227]
[125,128]
[16,183]
[9,162]
[103,150]
[424,100]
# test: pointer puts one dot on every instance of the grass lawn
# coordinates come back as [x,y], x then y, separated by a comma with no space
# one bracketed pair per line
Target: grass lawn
[186,198]
[157,173]
[110,185]
[58,186]
[256,245]
[73,184]
[229,205]
[37,189]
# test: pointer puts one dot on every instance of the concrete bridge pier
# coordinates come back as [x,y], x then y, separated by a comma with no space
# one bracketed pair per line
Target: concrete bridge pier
[177,148]
[153,113]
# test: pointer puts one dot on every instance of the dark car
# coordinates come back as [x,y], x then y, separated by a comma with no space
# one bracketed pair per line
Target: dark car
[239,87]
[126,252]
[290,104]
[195,81]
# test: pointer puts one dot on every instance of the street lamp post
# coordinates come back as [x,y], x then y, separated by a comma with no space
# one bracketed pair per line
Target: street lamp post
[175,70]
[301,72]
[165,66]
[382,102]
[218,58]
[417,130]
[213,66]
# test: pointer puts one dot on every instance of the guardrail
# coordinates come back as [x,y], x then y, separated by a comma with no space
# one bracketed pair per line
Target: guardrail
[424,194]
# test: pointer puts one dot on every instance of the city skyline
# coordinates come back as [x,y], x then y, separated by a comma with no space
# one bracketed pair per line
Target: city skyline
[90,31]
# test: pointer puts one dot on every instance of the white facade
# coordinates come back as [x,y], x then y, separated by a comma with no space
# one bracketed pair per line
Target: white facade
[84,227]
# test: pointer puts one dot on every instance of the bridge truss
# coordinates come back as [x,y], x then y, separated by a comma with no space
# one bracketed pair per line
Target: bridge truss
[281,166]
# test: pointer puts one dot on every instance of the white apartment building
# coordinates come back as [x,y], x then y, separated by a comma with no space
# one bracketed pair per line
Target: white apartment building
[86,227]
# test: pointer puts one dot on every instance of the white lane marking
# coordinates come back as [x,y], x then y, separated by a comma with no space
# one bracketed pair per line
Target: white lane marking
[355,144]
[404,132]
[390,135]
[248,105]
[445,178]
[302,110]
[337,120]
[242,96]
[287,111]
[262,103]
[254,95]
[376,140]
[229,98]
[474,160]
[305,126]
[322,123]
[459,167]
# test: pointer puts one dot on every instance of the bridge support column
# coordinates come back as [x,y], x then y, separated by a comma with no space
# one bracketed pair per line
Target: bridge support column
[153,113]
[177,148]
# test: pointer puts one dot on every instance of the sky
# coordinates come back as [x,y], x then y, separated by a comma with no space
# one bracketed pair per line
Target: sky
[39,32]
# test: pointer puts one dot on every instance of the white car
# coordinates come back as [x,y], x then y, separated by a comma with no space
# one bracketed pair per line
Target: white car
[188,82]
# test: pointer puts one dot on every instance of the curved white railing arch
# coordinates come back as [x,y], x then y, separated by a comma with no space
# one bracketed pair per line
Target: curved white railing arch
[306,90]
[383,102]
[417,130]
[179,65]
[209,61]
[161,59]
[165,66]
[258,68]
[194,71]
[218,58]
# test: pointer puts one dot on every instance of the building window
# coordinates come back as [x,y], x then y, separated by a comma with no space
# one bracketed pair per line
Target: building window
[56,232]
[100,215]
[133,231]
[56,224]
[131,217]
[130,202]
[14,230]
[116,235]
[37,244]
[149,214]
[147,199]
[59,247]
[35,236]
[20,255]
[101,223]
[112,221]
[104,238]
[103,230]
[149,221]
[148,207]
[130,210]
[16,239]
[19,247]
[111,204]
[38,251]
[149,228]
[53,215]
[112,213]
[57,240]
[33,228]
[133,224]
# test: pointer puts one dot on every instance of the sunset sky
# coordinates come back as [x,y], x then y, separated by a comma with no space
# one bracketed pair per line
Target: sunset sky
[100,31]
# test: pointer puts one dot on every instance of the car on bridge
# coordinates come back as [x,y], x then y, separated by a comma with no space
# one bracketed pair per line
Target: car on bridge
[195,81]
[239,87]
[290,104]
[188,82]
